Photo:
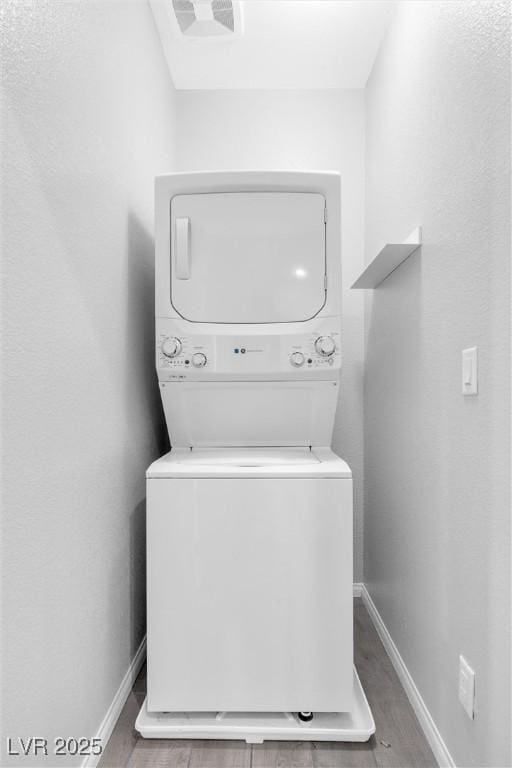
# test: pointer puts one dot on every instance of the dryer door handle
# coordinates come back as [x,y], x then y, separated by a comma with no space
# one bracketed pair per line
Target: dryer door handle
[182,260]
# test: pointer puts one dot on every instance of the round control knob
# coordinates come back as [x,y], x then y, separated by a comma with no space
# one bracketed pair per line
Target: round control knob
[325,346]
[199,360]
[297,359]
[171,347]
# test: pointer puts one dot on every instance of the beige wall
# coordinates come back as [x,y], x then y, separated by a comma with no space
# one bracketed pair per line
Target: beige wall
[437,464]
[88,120]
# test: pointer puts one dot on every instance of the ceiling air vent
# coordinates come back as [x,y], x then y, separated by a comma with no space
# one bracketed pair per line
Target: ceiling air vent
[207,18]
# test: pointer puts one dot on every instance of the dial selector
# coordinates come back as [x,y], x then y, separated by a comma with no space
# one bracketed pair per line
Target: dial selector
[171,346]
[297,359]
[199,360]
[325,346]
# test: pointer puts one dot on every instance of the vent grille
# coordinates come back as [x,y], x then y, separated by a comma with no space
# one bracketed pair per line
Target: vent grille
[205,18]
[184,11]
[223,13]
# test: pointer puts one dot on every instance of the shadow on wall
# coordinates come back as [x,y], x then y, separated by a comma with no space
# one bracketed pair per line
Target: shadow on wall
[137,575]
[143,397]
[142,383]
[392,434]
[409,398]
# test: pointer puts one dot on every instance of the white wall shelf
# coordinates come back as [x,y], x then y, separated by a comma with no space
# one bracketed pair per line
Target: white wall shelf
[387,260]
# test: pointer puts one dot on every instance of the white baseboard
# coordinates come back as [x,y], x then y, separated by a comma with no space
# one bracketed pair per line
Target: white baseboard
[425,719]
[358,589]
[118,702]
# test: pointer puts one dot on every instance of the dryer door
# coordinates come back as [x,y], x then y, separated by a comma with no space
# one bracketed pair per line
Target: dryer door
[248,257]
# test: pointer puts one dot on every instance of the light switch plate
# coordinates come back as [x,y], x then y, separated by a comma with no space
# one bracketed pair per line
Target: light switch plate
[467,687]
[470,371]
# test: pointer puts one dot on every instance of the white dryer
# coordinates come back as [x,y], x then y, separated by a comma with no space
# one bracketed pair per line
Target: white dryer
[249,517]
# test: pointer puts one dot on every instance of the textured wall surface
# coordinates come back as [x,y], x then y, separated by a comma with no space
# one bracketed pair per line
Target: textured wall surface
[437,464]
[88,120]
[298,130]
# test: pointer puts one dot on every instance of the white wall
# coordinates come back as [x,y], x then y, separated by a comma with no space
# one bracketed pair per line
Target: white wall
[437,464]
[88,120]
[300,130]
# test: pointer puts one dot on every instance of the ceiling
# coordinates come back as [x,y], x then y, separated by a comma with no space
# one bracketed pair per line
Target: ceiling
[292,44]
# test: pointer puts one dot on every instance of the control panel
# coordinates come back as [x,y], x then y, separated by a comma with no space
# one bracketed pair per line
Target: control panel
[180,354]
[184,353]
[315,351]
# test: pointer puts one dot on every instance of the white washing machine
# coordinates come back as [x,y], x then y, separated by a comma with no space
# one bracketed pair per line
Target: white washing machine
[249,517]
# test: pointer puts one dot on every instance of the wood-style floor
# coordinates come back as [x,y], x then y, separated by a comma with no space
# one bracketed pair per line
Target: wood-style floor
[398,742]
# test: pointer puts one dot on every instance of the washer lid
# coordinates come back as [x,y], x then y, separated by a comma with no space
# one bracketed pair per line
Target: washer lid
[264,463]
[248,457]
[243,414]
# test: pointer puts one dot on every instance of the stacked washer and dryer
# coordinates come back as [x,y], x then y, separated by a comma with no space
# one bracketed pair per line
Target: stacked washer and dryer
[249,517]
